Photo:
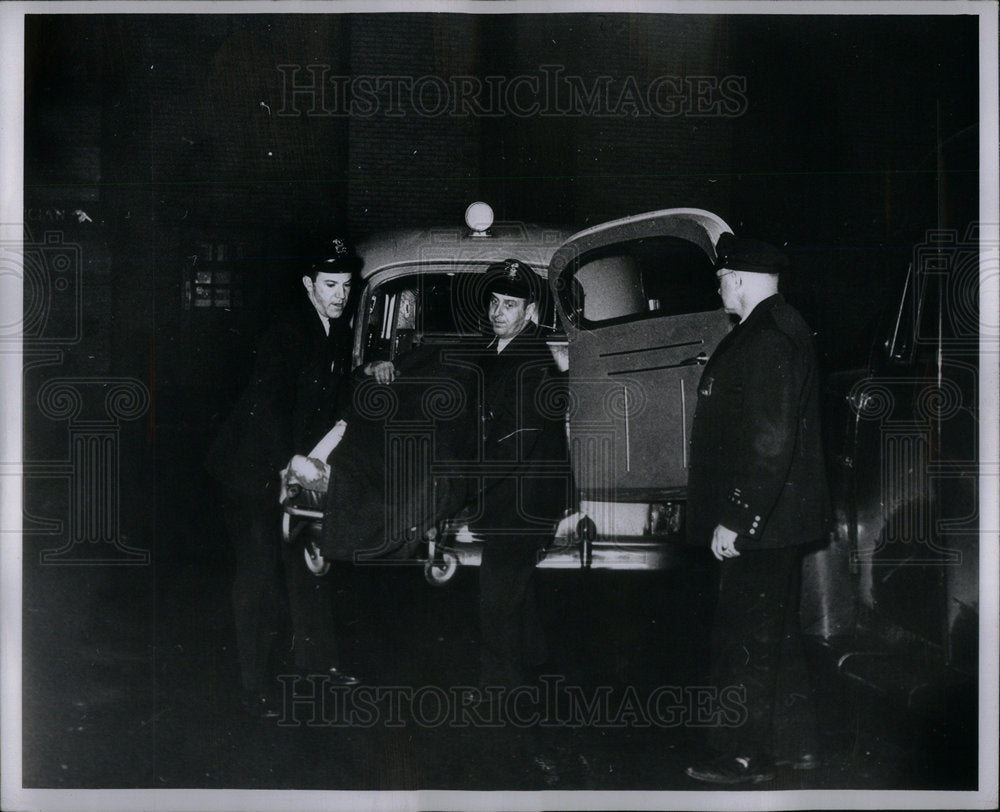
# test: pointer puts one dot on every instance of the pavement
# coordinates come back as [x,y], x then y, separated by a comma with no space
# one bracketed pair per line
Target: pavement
[130,677]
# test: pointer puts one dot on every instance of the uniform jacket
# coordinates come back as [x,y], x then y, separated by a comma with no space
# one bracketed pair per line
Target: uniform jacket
[527,482]
[290,402]
[756,457]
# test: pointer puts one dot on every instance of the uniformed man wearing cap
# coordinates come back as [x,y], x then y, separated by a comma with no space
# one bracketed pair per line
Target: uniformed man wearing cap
[526,486]
[756,494]
[300,370]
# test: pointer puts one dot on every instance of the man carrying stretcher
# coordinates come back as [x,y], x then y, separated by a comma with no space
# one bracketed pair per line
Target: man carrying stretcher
[301,369]
[400,449]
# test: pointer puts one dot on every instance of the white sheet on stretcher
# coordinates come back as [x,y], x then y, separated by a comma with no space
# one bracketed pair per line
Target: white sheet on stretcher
[311,471]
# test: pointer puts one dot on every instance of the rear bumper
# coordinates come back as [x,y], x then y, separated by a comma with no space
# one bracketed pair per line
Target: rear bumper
[599,553]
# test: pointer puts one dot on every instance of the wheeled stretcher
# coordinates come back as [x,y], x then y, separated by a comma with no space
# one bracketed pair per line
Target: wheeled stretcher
[448,544]
[439,553]
[396,488]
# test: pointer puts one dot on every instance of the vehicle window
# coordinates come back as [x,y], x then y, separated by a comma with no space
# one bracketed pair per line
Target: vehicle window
[918,320]
[440,307]
[639,279]
[900,342]
[938,304]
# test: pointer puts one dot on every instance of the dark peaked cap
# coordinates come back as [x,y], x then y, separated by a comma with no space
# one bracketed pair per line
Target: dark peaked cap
[337,255]
[753,256]
[512,278]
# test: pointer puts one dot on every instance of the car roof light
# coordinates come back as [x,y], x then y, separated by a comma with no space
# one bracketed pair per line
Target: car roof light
[479,217]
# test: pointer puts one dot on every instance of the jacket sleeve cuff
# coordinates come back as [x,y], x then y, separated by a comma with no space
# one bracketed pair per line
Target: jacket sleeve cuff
[739,514]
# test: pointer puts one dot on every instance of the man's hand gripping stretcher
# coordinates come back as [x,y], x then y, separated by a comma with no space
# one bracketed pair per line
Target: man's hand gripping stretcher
[311,472]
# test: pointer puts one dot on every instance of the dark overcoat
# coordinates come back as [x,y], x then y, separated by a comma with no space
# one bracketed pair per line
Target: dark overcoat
[526,483]
[290,402]
[756,457]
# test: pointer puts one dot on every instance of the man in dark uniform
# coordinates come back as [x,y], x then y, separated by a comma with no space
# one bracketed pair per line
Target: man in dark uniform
[756,494]
[300,369]
[526,482]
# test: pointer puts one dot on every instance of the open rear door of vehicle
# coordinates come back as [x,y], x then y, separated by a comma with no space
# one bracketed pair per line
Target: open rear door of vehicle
[639,301]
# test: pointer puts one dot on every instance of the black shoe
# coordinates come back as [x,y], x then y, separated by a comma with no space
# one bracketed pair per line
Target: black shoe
[806,761]
[731,770]
[338,677]
[258,704]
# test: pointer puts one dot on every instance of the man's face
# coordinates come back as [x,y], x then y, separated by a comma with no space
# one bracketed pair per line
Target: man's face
[727,288]
[329,293]
[508,314]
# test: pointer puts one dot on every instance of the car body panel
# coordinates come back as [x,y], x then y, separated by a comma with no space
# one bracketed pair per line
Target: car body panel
[634,366]
[532,244]
[895,595]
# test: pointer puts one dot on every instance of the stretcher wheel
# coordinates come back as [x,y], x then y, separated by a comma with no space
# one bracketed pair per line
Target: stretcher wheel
[439,569]
[314,560]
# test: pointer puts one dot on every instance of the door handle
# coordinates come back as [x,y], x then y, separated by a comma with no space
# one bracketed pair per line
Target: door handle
[700,360]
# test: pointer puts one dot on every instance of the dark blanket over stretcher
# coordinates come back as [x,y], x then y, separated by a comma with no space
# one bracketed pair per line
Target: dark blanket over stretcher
[393,475]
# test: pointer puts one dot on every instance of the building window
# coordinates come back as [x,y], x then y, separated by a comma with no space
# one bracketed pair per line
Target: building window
[213,278]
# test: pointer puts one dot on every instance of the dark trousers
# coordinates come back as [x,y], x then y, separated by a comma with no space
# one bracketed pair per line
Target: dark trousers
[757,644]
[512,640]
[271,579]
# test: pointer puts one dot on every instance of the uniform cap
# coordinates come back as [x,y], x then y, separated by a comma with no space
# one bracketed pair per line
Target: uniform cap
[512,278]
[752,256]
[336,256]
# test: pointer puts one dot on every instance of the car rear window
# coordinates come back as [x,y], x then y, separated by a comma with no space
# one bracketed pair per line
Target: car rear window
[639,279]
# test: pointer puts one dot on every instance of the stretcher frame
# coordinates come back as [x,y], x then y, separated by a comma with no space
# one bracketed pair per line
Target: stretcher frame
[450,546]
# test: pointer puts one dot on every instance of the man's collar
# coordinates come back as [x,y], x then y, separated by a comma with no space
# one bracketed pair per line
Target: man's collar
[762,307]
[528,328]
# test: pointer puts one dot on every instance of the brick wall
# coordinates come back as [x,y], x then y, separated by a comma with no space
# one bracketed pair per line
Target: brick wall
[174,129]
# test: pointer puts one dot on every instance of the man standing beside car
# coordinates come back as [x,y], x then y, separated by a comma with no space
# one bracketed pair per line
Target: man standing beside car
[525,486]
[300,372]
[756,494]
